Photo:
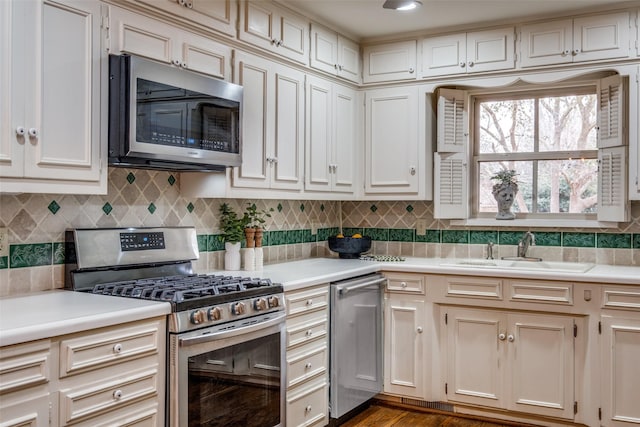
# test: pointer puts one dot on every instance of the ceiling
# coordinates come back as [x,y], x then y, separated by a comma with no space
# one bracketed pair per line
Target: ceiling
[366,19]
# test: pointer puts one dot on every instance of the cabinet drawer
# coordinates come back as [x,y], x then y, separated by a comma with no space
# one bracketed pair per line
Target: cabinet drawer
[24,365]
[142,414]
[561,293]
[474,288]
[309,361]
[111,346]
[625,298]
[306,328]
[107,395]
[309,300]
[406,283]
[308,405]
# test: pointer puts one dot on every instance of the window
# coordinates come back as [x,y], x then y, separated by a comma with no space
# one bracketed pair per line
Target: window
[566,143]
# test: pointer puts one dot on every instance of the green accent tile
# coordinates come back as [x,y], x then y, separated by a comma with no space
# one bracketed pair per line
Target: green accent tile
[307,237]
[351,231]
[482,237]
[171,180]
[373,208]
[190,207]
[322,207]
[455,236]
[548,238]
[215,243]
[401,234]
[614,240]
[431,236]
[107,208]
[325,233]
[58,253]
[277,237]
[279,207]
[266,238]
[409,208]
[202,242]
[510,237]
[4,262]
[636,241]
[302,207]
[380,234]
[53,207]
[579,240]
[294,236]
[131,178]
[30,255]
[151,208]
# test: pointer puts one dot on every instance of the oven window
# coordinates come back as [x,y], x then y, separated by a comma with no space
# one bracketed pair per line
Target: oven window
[237,386]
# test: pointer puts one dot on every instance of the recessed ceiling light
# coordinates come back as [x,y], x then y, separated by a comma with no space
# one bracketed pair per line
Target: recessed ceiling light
[401,4]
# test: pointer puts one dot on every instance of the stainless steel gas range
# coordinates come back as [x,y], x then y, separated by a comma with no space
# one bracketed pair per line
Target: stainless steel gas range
[226,358]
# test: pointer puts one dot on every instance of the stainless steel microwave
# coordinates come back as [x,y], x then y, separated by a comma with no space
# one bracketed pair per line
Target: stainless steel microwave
[168,118]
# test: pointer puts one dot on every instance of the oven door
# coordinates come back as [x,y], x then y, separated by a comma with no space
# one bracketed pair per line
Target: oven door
[231,374]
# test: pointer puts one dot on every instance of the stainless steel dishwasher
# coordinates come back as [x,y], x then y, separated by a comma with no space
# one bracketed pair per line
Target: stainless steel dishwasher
[356,343]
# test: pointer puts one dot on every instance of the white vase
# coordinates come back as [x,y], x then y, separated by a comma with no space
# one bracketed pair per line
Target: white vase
[249,259]
[232,256]
[259,261]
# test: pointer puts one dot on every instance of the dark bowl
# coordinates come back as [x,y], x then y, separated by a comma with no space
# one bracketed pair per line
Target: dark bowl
[350,247]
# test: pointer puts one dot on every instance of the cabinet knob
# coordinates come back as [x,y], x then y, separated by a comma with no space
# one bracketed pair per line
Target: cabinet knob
[307,366]
[117,395]
[183,65]
[33,132]
[502,337]
[190,5]
[419,329]
[307,409]
[309,333]
[412,170]
[309,301]
[575,52]
[511,338]
[117,348]
[566,52]
[176,62]
[411,70]
[403,284]
[470,63]
[20,131]
[462,65]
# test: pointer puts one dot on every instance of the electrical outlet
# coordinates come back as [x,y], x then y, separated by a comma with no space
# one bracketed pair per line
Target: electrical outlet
[421,227]
[314,228]
[4,242]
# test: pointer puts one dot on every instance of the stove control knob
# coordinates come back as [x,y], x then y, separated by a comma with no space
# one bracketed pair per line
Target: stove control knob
[238,308]
[198,317]
[274,302]
[215,313]
[260,304]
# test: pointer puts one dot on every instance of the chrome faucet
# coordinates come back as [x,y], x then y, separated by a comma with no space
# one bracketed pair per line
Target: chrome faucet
[529,239]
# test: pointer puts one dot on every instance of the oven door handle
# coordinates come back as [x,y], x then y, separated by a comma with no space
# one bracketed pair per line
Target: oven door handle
[343,290]
[185,342]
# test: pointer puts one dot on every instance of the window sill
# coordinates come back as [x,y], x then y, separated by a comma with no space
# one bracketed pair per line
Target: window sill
[537,223]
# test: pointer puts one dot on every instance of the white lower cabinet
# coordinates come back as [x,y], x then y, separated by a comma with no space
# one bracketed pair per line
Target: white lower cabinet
[307,394]
[510,360]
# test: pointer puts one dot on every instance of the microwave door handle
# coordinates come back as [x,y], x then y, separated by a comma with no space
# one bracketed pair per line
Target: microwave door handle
[343,290]
[185,342]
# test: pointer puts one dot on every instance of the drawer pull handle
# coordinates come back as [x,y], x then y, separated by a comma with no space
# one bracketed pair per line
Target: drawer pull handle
[117,349]
[20,131]
[502,337]
[403,284]
[117,395]
[309,332]
[511,338]
[309,301]
[420,329]
[307,366]
[307,409]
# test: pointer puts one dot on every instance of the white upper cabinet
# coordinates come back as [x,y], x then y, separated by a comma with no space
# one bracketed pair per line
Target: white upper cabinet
[331,137]
[389,62]
[590,38]
[139,35]
[219,15]
[51,68]
[273,125]
[472,52]
[275,29]
[334,53]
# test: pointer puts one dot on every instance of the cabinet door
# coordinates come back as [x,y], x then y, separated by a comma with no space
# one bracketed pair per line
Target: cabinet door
[444,55]
[348,59]
[404,346]
[542,358]
[546,43]
[319,130]
[491,50]
[476,356]
[601,37]
[620,371]
[25,413]
[217,15]
[390,61]
[324,49]
[63,97]
[345,141]
[392,159]
[204,56]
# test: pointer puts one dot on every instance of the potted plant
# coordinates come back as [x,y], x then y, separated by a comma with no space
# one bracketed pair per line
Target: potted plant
[232,227]
[255,223]
[504,191]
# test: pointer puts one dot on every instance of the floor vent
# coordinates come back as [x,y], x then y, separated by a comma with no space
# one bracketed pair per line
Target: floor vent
[440,406]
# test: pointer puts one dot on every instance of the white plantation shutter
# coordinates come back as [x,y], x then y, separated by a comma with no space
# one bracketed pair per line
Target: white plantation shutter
[452,121]
[612,184]
[450,192]
[611,114]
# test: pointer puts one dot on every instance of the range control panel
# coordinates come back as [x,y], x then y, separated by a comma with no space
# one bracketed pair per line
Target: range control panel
[139,241]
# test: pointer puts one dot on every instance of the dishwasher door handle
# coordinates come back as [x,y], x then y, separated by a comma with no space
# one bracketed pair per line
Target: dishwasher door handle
[344,289]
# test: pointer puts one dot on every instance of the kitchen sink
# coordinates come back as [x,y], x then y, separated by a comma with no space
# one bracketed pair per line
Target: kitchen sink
[521,264]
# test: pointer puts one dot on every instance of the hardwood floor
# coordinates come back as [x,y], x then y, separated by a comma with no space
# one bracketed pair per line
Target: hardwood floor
[383,415]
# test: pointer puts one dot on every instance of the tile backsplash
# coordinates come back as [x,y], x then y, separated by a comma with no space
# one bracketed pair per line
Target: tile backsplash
[36,224]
